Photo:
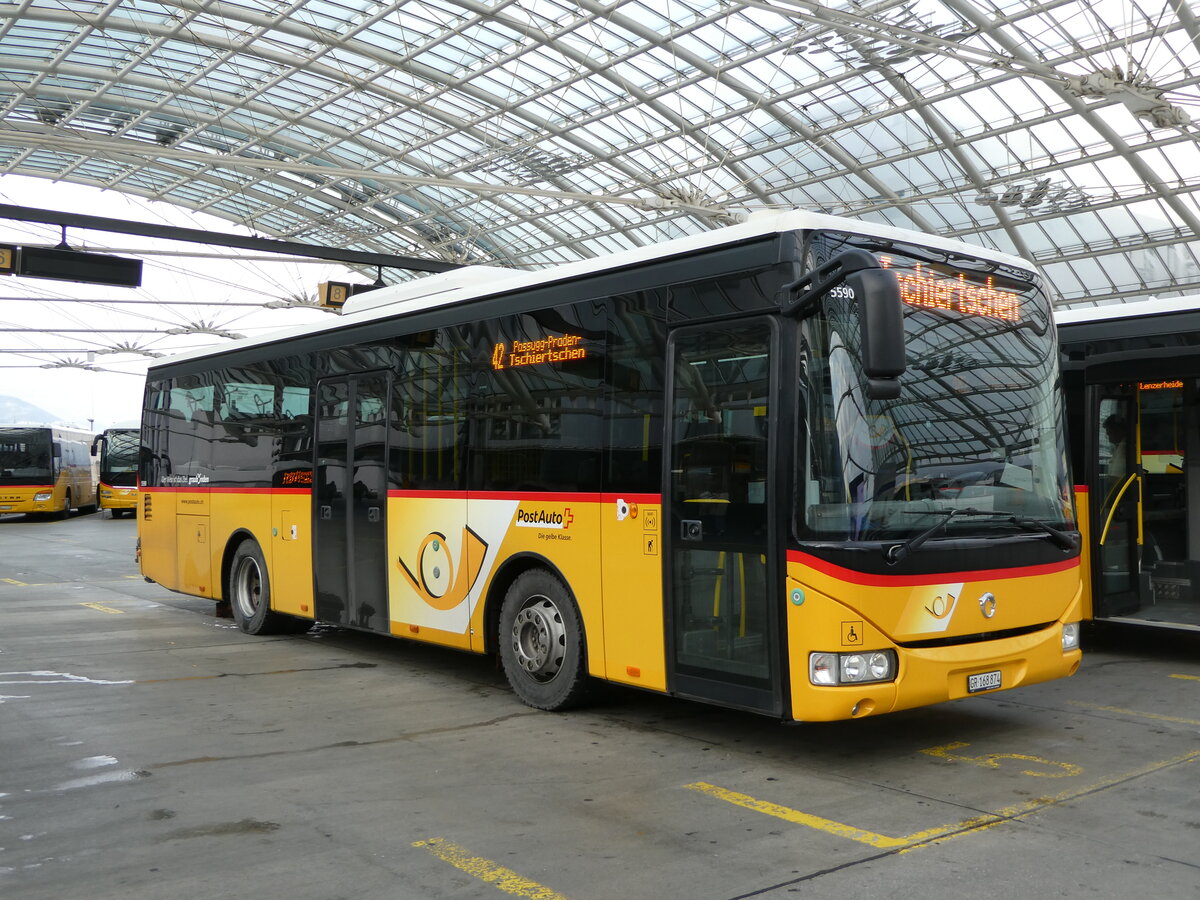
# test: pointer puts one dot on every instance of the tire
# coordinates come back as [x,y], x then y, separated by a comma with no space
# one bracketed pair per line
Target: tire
[65,512]
[249,592]
[541,643]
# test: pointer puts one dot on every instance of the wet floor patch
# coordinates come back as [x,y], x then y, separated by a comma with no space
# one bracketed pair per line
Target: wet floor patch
[223,829]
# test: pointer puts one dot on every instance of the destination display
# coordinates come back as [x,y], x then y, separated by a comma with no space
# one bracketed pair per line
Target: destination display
[549,349]
[954,291]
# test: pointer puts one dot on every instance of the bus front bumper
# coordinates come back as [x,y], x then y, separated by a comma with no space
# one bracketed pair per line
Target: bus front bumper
[39,502]
[929,675]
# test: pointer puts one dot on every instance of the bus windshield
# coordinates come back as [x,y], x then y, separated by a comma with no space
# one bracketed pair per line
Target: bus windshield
[121,451]
[973,441]
[24,456]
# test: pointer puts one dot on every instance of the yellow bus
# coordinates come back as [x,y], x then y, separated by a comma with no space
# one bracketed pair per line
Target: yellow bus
[803,466]
[117,451]
[45,471]
[1132,377]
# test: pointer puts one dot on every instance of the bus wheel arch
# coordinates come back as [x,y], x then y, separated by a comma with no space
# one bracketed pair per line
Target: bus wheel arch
[493,602]
[246,586]
[539,636]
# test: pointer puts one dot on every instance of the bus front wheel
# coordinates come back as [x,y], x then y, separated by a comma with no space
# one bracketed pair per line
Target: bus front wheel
[250,591]
[541,642]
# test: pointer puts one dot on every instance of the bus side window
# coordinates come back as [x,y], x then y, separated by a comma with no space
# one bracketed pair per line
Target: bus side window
[637,339]
[540,422]
[428,415]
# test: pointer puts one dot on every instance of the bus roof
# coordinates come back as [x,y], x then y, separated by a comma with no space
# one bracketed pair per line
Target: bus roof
[477,282]
[1134,310]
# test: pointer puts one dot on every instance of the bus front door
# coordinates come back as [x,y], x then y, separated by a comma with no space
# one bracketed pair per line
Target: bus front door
[1147,480]
[350,501]
[721,567]
[1116,490]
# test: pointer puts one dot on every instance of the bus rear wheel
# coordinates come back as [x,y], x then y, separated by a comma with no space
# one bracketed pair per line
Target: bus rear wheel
[249,592]
[541,642]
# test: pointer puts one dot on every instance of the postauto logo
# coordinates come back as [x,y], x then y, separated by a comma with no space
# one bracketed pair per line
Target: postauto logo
[544,518]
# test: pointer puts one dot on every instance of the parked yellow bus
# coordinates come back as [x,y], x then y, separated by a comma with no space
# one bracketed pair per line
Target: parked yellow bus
[45,471]
[117,450]
[803,466]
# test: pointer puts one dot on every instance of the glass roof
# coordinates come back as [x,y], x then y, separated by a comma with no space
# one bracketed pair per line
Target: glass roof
[527,133]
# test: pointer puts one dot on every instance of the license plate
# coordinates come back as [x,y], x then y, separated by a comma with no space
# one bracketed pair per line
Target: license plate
[983,681]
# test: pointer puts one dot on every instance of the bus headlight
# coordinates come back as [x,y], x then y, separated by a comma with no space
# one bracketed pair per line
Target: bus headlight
[42,496]
[1070,637]
[852,668]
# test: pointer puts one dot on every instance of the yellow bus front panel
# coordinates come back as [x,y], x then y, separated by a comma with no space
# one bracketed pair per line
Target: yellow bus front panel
[75,481]
[117,497]
[42,498]
[931,629]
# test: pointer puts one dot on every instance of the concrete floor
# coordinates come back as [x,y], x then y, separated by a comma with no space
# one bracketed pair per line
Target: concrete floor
[148,749]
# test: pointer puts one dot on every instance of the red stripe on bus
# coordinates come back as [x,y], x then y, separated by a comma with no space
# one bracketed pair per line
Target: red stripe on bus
[872,580]
[1081,489]
[553,497]
[200,489]
[547,497]
[648,499]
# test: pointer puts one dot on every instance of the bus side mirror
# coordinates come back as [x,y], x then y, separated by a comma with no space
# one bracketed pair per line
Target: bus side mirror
[96,444]
[856,274]
[881,330]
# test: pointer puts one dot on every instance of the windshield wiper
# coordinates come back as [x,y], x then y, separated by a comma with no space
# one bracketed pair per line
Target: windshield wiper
[1060,538]
[897,552]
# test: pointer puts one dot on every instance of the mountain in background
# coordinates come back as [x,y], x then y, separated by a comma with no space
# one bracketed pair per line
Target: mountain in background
[18,412]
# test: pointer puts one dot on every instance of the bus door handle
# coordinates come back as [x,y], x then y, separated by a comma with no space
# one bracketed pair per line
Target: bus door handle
[326,512]
[373,514]
[691,530]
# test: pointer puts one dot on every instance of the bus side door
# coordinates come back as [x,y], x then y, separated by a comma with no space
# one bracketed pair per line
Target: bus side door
[350,501]
[722,560]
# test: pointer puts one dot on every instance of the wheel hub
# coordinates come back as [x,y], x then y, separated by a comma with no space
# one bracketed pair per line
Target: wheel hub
[538,638]
[247,587]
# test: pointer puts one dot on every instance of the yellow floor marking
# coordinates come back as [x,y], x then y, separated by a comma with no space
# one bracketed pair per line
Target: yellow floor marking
[56,583]
[103,608]
[937,834]
[1158,717]
[794,815]
[1188,677]
[485,870]
[992,761]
